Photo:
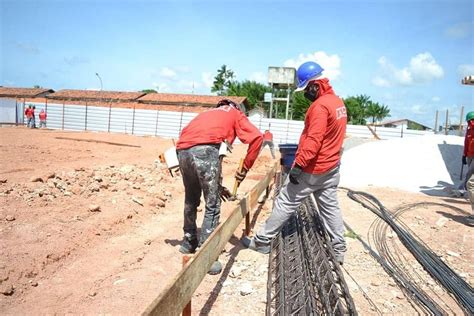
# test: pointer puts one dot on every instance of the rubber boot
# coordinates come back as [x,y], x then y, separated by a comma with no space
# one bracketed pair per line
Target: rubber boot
[256,245]
[189,244]
[216,268]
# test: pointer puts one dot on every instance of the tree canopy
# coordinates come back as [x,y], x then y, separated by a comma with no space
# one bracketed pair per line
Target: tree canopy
[149,91]
[225,85]
[222,80]
[360,107]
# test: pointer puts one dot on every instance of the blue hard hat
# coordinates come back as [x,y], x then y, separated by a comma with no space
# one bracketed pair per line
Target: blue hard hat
[306,72]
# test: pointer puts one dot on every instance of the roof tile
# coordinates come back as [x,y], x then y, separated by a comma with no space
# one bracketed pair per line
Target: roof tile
[69,94]
[23,92]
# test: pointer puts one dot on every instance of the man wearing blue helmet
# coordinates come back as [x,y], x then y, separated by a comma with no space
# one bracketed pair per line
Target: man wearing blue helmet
[316,167]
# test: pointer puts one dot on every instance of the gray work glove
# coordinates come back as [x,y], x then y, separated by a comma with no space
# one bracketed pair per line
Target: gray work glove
[295,173]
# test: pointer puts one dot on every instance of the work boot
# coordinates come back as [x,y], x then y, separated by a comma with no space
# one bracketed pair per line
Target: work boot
[256,245]
[189,244]
[216,268]
[470,220]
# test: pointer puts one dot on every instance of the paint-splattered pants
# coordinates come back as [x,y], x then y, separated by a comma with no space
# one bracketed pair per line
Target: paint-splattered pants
[201,170]
[324,189]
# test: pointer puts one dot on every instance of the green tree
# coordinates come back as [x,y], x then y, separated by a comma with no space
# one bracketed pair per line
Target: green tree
[384,112]
[356,107]
[253,90]
[149,91]
[376,111]
[300,106]
[222,80]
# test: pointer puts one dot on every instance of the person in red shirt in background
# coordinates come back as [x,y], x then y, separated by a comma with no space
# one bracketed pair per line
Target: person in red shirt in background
[467,159]
[28,115]
[42,117]
[198,156]
[33,117]
[316,166]
[268,140]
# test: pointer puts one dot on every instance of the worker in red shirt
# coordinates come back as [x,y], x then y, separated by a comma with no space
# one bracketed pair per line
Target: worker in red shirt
[467,159]
[316,166]
[268,141]
[28,115]
[198,155]
[42,117]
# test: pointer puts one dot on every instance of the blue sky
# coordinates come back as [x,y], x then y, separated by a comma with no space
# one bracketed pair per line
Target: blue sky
[408,55]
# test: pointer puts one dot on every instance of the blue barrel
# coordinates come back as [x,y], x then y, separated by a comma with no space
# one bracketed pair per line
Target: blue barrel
[288,152]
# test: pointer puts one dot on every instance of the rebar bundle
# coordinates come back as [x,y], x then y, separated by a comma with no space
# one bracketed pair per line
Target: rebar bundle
[304,277]
[460,290]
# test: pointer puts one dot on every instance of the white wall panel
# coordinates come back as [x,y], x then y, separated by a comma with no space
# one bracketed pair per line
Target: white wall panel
[97,118]
[74,117]
[121,120]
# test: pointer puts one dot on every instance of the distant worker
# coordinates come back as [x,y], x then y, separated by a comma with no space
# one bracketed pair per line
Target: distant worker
[42,117]
[28,116]
[268,141]
[33,117]
[467,159]
[316,166]
[198,155]
[468,152]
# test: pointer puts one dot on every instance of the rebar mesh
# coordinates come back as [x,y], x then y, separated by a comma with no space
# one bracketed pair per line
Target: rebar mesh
[304,278]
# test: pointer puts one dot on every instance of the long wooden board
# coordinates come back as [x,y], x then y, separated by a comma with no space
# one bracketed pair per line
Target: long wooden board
[180,290]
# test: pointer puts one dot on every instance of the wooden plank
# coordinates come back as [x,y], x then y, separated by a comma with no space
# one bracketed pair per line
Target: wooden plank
[180,290]
[97,141]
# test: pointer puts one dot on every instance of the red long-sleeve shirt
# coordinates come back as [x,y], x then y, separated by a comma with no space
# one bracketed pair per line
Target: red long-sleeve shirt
[219,124]
[42,116]
[268,136]
[319,149]
[469,141]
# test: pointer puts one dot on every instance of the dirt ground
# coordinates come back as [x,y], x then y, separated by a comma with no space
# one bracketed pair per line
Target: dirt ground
[90,223]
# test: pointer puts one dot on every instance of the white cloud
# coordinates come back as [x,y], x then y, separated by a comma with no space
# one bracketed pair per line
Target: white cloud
[168,73]
[422,68]
[330,63]
[207,79]
[435,99]
[380,82]
[161,87]
[259,77]
[188,86]
[459,30]
[418,109]
[466,70]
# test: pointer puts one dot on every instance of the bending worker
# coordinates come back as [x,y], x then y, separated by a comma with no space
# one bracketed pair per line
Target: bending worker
[316,166]
[198,155]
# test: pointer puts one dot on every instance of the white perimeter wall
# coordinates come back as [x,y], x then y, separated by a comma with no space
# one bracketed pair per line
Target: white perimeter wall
[169,124]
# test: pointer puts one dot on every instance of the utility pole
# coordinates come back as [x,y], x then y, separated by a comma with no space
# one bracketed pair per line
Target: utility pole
[100,79]
[460,120]
[446,123]
[436,123]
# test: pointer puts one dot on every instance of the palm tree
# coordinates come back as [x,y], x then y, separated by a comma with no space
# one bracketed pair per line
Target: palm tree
[376,111]
[222,80]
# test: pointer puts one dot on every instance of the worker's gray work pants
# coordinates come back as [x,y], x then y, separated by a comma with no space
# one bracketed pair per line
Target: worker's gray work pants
[324,188]
[200,169]
[268,143]
[469,172]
